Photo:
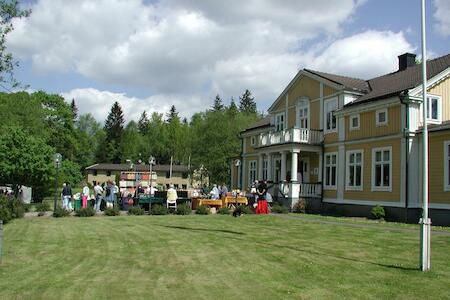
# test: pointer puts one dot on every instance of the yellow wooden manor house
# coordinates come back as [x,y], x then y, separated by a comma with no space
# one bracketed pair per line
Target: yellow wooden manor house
[348,144]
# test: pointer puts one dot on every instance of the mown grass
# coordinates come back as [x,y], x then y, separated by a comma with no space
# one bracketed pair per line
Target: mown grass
[216,257]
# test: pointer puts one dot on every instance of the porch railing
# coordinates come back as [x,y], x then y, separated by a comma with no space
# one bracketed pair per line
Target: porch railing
[292,135]
[311,190]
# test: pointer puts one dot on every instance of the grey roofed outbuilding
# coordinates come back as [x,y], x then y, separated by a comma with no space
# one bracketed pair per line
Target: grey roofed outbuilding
[137,167]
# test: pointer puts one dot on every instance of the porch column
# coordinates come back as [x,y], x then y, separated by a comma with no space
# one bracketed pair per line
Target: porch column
[260,166]
[283,165]
[269,166]
[294,164]
[319,177]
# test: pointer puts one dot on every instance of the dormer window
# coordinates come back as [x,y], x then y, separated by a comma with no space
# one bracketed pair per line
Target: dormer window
[279,122]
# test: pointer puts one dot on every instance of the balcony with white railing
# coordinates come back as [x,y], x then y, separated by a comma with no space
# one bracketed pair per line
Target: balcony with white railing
[292,135]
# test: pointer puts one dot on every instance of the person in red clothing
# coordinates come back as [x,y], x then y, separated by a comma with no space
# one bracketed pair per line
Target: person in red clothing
[262,207]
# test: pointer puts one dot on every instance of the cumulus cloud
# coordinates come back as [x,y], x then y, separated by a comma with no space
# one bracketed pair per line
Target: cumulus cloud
[442,16]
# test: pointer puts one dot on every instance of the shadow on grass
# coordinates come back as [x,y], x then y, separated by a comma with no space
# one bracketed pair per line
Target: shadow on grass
[202,229]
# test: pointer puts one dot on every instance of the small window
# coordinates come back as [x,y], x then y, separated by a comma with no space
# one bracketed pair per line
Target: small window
[434,109]
[279,122]
[184,175]
[95,172]
[354,122]
[167,185]
[176,186]
[252,172]
[330,170]
[381,117]
[354,178]
[447,166]
[253,141]
[382,169]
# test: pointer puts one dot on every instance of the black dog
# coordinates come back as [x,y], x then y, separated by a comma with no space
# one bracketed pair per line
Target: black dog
[237,212]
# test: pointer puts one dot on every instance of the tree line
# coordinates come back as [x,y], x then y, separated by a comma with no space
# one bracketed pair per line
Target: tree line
[37,125]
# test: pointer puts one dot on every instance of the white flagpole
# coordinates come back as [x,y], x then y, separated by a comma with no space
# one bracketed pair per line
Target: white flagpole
[425,222]
[171,162]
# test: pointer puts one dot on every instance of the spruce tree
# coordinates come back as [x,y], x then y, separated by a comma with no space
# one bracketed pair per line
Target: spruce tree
[247,104]
[143,123]
[114,131]
[74,109]
[172,114]
[233,109]
[218,105]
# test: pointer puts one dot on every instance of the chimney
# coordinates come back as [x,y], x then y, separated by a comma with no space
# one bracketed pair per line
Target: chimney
[406,60]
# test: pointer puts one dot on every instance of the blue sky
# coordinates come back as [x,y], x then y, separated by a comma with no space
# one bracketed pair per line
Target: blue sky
[149,55]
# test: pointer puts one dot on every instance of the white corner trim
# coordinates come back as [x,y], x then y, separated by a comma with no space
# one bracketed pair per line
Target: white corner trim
[446,166]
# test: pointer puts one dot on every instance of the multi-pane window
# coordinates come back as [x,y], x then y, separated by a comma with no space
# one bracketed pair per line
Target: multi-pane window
[279,122]
[381,117]
[447,166]
[354,122]
[330,118]
[433,109]
[303,114]
[382,169]
[265,165]
[354,170]
[252,172]
[330,170]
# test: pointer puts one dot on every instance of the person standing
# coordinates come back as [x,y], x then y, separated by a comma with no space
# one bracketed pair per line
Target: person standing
[215,194]
[262,207]
[223,190]
[98,190]
[66,196]
[172,195]
[109,194]
[84,196]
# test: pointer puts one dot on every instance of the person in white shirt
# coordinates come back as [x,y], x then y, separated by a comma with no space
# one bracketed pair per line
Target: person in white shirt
[85,195]
[215,193]
[98,191]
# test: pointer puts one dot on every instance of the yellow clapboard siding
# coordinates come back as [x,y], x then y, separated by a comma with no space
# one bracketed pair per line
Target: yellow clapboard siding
[436,165]
[248,144]
[314,115]
[327,91]
[443,89]
[331,138]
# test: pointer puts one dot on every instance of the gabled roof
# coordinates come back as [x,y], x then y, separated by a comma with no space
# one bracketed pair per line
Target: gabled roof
[396,82]
[262,123]
[349,83]
[137,167]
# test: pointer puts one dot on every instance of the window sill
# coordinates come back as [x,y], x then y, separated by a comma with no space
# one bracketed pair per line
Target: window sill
[381,189]
[329,188]
[356,189]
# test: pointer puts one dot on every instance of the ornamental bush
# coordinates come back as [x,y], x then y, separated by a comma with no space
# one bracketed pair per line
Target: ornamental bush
[85,212]
[159,209]
[279,209]
[42,207]
[183,209]
[202,210]
[136,211]
[224,211]
[61,212]
[378,212]
[112,211]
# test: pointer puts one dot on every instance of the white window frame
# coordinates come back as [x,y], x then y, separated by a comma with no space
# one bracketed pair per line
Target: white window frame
[382,188]
[378,112]
[439,103]
[253,141]
[303,103]
[325,185]
[251,171]
[351,122]
[280,124]
[446,166]
[347,171]
[325,119]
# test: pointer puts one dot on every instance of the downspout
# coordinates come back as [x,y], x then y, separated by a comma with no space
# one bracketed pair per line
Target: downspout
[404,99]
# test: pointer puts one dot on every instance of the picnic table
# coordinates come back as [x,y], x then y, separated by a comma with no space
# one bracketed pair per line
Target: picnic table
[206,202]
[232,201]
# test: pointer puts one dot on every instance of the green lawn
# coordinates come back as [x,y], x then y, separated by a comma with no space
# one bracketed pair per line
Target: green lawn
[217,257]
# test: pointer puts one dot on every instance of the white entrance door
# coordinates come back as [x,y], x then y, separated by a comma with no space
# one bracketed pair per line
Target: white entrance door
[303,169]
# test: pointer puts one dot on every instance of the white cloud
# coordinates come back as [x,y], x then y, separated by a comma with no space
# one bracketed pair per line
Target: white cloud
[442,16]
[98,103]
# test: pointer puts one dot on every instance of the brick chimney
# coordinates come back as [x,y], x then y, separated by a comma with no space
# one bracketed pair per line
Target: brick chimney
[406,60]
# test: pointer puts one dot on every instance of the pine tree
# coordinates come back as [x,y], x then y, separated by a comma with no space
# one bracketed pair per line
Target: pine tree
[172,114]
[74,109]
[247,104]
[114,131]
[143,123]
[233,109]
[218,105]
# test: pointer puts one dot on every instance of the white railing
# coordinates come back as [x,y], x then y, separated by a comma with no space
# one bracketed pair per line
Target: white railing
[311,190]
[293,135]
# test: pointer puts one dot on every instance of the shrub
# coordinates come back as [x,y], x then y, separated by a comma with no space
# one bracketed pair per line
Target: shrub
[301,206]
[279,209]
[243,209]
[85,212]
[136,211]
[159,209]
[10,208]
[202,210]
[61,212]
[42,207]
[17,209]
[224,211]
[27,207]
[5,211]
[378,212]
[183,209]
[112,211]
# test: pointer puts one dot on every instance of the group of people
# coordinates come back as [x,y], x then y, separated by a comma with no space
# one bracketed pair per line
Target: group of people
[107,191]
[217,192]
